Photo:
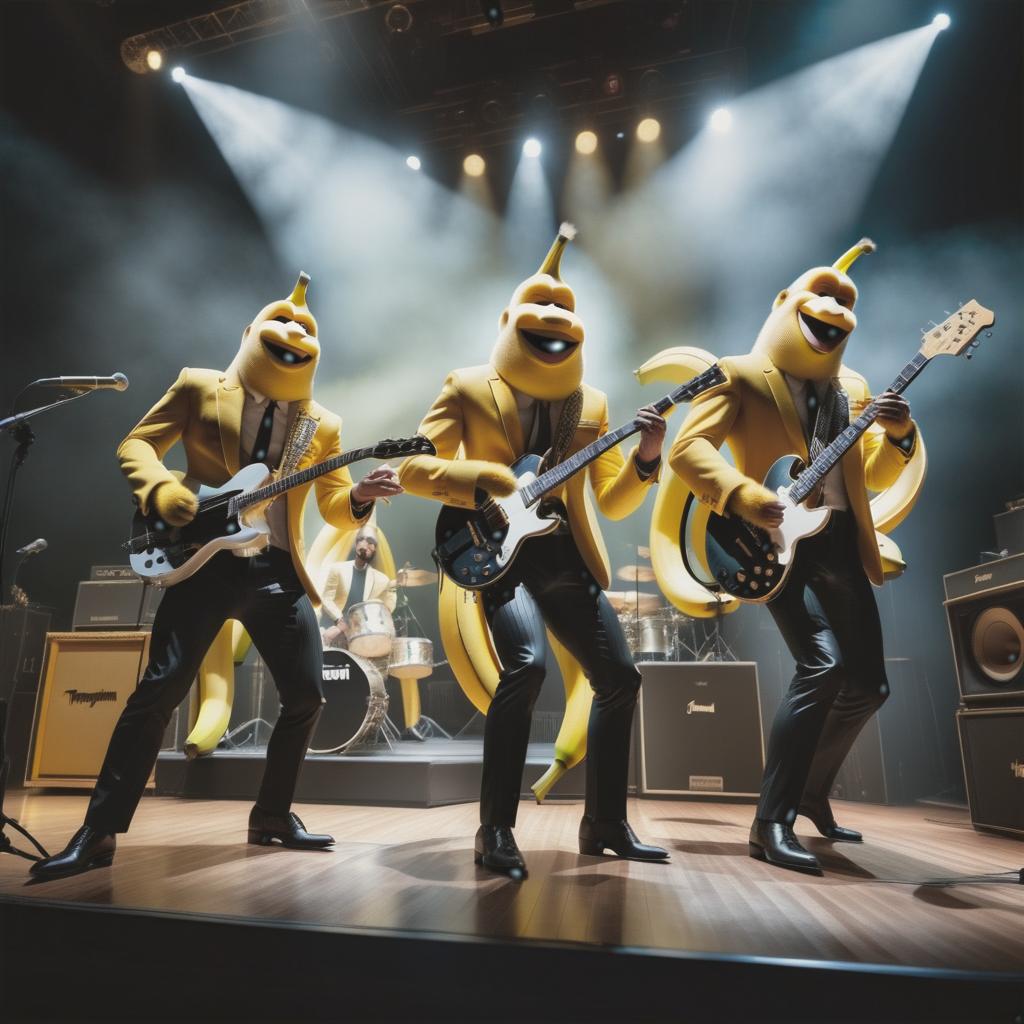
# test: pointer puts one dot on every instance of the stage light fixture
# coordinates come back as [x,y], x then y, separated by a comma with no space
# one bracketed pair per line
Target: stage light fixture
[179,74]
[493,12]
[413,163]
[648,129]
[941,21]
[398,19]
[720,120]
[531,147]
[620,135]
[474,165]
[154,60]
[586,143]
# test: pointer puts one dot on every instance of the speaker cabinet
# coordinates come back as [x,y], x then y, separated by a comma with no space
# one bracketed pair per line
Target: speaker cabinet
[22,635]
[894,759]
[987,632]
[992,748]
[87,677]
[700,729]
[107,604]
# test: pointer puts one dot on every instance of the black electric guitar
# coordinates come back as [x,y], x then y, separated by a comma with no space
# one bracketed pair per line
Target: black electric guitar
[233,517]
[751,563]
[475,547]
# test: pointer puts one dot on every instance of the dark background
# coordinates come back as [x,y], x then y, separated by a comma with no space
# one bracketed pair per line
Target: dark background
[128,244]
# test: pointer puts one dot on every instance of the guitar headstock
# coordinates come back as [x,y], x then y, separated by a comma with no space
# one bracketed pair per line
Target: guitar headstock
[398,448]
[710,378]
[959,332]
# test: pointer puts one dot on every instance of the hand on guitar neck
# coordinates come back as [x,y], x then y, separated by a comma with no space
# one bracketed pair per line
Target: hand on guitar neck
[381,482]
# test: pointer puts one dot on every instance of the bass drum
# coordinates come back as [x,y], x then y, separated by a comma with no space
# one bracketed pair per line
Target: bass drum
[355,703]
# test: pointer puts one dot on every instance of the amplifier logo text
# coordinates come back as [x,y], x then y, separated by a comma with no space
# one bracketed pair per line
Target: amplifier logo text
[693,708]
[982,577]
[93,698]
[1017,767]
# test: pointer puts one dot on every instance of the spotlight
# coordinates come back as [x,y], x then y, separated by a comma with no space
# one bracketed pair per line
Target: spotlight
[648,129]
[620,135]
[531,148]
[613,84]
[586,143]
[941,21]
[720,120]
[154,60]
[493,12]
[413,163]
[474,165]
[398,19]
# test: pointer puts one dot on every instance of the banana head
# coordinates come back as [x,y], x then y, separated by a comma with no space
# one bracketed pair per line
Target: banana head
[279,352]
[540,337]
[811,320]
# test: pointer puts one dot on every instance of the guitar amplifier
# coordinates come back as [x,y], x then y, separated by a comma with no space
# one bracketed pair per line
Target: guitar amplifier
[108,604]
[992,748]
[985,609]
[22,636]
[700,729]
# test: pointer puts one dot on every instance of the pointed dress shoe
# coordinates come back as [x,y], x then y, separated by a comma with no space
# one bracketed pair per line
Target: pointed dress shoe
[774,842]
[287,829]
[495,849]
[825,823]
[86,849]
[617,836]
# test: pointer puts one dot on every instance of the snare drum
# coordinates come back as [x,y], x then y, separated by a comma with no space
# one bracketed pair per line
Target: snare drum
[655,640]
[370,629]
[412,657]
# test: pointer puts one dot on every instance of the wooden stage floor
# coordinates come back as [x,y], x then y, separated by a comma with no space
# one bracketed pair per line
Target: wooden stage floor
[411,870]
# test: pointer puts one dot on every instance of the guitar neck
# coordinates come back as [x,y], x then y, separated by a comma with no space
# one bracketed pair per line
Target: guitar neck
[303,476]
[557,475]
[809,479]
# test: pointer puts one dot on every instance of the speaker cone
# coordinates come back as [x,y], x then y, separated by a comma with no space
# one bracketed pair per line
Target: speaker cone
[997,640]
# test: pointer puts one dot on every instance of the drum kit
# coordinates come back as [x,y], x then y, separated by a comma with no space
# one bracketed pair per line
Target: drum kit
[653,632]
[375,644]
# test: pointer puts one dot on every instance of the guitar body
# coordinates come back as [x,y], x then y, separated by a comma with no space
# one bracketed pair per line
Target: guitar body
[752,564]
[475,547]
[163,555]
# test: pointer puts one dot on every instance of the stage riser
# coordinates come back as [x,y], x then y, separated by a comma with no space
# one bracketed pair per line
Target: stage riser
[399,782]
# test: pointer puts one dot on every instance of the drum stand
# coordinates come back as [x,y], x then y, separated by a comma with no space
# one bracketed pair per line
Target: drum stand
[715,647]
[426,727]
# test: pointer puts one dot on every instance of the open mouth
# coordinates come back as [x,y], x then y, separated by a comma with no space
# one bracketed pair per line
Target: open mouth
[549,348]
[285,355]
[820,336]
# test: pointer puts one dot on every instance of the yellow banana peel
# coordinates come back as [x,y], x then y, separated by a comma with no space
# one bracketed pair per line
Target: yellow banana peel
[216,693]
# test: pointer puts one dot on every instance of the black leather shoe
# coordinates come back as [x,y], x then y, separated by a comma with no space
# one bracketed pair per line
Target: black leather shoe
[87,849]
[774,842]
[826,825]
[617,836]
[285,828]
[495,849]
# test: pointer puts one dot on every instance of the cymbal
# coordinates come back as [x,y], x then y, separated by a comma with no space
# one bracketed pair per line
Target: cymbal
[635,573]
[411,577]
[632,602]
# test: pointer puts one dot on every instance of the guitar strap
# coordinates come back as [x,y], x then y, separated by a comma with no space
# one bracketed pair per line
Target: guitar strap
[568,421]
[833,416]
[297,444]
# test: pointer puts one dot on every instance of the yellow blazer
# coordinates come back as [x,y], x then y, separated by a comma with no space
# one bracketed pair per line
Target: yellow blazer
[477,411]
[339,583]
[754,412]
[203,409]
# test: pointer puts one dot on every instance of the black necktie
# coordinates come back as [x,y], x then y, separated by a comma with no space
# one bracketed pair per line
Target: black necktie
[541,431]
[262,444]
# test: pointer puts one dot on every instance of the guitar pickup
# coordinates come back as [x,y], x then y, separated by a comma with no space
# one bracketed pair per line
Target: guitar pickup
[478,541]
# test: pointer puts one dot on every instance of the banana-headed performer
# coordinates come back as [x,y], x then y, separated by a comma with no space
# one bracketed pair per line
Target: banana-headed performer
[790,391]
[258,410]
[530,398]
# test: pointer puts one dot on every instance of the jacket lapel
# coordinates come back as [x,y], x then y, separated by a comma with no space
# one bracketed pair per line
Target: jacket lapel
[787,410]
[230,399]
[506,403]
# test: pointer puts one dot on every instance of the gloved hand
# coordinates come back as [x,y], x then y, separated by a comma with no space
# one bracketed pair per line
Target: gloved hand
[756,504]
[497,480]
[175,504]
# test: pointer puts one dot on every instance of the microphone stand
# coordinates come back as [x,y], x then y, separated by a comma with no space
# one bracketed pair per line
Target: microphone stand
[18,427]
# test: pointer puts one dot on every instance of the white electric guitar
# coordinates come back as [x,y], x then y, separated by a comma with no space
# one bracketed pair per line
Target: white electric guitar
[233,517]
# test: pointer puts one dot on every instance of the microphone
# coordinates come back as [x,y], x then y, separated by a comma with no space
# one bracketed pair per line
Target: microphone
[118,382]
[32,549]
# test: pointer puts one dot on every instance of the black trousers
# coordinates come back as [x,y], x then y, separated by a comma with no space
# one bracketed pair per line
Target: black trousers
[829,620]
[265,595]
[550,585]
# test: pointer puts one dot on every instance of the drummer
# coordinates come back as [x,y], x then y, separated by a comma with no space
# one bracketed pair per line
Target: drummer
[353,582]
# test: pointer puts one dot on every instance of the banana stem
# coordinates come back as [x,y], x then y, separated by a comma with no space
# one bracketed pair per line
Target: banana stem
[543,785]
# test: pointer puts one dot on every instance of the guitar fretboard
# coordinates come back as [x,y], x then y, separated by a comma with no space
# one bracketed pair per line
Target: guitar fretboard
[286,483]
[813,475]
[557,475]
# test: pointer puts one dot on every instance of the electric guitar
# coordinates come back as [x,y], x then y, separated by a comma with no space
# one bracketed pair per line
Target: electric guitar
[752,563]
[233,517]
[475,547]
